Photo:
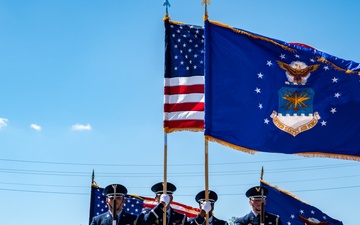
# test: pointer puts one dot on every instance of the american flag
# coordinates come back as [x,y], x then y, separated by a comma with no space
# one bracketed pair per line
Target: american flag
[184,77]
[133,204]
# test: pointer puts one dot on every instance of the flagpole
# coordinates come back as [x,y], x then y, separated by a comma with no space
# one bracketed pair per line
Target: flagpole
[262,212]
[205,3]
[167,5]
[165,175]
[207,176]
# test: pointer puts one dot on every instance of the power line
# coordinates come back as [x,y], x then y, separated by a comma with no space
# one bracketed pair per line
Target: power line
[135,165]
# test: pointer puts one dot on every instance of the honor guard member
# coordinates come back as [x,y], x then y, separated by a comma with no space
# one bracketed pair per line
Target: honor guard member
[256,195]
[115,198]
[155,216]
[206,207]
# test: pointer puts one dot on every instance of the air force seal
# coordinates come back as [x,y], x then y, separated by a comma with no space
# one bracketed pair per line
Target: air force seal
[295,101]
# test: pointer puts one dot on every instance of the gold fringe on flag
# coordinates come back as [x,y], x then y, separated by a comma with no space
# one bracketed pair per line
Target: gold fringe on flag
[247,150]
[253,35]
[307,154]
[170,130]
[329,155]
[323,60]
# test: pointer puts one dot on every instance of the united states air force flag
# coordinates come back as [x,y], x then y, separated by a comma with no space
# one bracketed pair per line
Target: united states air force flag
[293,211]
[267,95]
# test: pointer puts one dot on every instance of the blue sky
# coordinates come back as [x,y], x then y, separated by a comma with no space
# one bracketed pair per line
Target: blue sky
[82,89]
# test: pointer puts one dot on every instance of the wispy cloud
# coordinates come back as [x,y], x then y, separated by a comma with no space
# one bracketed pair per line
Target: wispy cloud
[81,127]
[35,127]
[3,122]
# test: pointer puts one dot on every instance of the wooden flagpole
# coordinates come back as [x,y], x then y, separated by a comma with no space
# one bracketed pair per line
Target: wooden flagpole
[165,175]
[207,176]
[205,3]
[262,212]
[167,5]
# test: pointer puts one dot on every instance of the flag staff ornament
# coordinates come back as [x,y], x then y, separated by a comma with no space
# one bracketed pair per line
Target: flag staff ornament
[167,5]
[114,206]
[93,182]
[205,3]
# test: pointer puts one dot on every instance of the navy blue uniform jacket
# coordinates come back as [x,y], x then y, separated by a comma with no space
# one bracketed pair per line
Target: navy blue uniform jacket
[270,219]
[201,221]
[106,219]
[155,217]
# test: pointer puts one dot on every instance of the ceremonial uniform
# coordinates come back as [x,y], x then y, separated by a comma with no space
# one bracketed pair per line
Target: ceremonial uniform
[107,219]
[257,196]
[115,199]
[270,219]
[155,216]
[201,217]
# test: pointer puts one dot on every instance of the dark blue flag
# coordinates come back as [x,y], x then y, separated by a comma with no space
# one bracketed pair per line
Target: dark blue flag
[294,211]
[267,95]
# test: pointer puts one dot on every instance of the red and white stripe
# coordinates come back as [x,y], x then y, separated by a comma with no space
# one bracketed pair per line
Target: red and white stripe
[184,103]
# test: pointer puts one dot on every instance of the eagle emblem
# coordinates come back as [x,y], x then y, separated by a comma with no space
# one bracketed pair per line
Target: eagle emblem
[297,72]
[312,221]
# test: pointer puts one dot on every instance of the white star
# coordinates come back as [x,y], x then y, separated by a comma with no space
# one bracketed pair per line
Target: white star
[175,68]
[297,56]
[333,110]
[260,75]
[266,121]
[335,80]
[269,63]
[337,95]
[260,106]
[323,123]
[312,212]
[292,216]
[301,211]
[282,56]
[312,60]
[326,68]
[257,90]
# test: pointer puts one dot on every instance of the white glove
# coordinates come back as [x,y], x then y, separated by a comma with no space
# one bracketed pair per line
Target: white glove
[206,206]
[165,198]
